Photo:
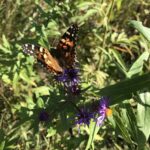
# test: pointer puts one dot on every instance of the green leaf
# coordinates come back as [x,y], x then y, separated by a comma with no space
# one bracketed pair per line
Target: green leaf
[51,131]
[131,120]
[6,79]
[23,76]
[40,102]
[123,90]
[2,141]
[2,145]
[93,131]
[90,13]
[5,46]
[121,125]
[5,42]
[85,5]
[138,65]
[15,82]
[120,61]
[41,91]
[143,112]
[127,124]
[145,31]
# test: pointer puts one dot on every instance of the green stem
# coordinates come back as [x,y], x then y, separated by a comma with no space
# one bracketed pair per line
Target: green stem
[108,14]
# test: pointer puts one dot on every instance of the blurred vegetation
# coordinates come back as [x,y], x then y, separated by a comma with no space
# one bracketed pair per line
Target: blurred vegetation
[109,51]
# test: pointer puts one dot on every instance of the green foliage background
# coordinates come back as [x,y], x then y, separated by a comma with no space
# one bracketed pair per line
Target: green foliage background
[114,62]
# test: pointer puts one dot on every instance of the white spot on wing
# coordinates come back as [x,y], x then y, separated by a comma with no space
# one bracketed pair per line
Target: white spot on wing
[32,46]
[41,49]
[45,56]
[26,45]
[68,33]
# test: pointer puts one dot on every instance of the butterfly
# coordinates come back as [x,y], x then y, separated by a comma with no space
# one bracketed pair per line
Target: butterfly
[60,58]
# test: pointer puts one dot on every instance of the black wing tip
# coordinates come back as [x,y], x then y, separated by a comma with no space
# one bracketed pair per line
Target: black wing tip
[28,48]
[75,26]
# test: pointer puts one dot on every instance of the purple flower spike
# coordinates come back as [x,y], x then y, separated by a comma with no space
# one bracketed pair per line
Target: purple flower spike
[69,76]
[102,110]
[84,117]
[70,79]
[75,89]
[100,119]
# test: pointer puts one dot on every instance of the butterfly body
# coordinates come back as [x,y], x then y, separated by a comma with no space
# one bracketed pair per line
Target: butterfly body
[63,57]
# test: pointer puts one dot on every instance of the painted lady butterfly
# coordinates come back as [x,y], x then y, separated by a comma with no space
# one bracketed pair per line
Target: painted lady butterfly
[60,58]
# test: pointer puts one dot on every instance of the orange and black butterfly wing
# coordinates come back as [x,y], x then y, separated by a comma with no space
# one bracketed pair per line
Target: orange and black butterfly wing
[44,57]
[66,47]
[62,57]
